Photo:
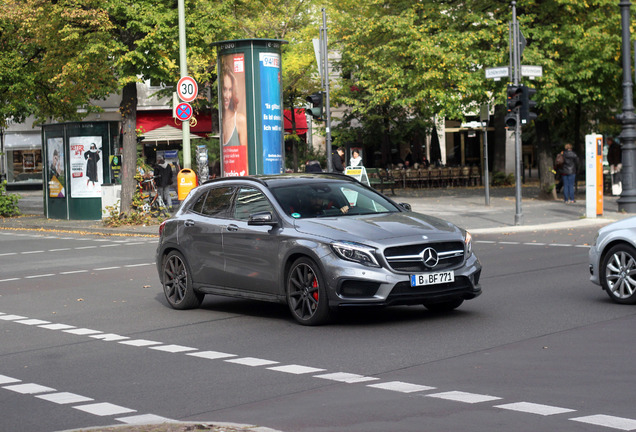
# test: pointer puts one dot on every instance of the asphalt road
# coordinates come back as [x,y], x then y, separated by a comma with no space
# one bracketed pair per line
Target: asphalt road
[88,340]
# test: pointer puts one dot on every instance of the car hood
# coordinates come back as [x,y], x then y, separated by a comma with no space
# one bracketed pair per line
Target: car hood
[377,227]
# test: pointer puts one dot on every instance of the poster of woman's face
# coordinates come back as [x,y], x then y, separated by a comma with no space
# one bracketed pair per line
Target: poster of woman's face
[87,173]
[232,101]
[55,168]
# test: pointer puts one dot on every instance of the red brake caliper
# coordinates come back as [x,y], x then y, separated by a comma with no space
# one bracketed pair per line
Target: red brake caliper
[315,285]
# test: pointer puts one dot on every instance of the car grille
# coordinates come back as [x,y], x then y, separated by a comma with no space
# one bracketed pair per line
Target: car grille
[403,292]
[413,258]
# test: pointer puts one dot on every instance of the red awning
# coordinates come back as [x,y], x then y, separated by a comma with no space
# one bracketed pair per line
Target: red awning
[150,120]
[299,117]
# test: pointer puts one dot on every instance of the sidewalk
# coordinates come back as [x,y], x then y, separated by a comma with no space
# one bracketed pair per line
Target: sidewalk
[464,207]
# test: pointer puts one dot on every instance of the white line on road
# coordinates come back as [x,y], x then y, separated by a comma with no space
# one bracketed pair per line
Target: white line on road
[104,409]
[63,398]
[533,408]
[29,388]
[251,361]
[608,421]
[211,355]
[296,369]
[172,348]
[401,387]
[346,377]
[459,396]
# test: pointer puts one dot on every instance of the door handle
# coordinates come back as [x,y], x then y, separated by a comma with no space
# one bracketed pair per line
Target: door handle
[232,227]
[189,222]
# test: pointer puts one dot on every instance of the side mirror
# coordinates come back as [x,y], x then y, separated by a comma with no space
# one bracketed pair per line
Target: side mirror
[406,206]
[262,218]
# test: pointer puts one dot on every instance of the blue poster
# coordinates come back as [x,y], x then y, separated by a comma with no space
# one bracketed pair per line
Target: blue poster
[272,113]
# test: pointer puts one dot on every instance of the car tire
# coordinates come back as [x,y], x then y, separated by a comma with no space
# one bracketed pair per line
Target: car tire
[177,283]
[618,273]
[306,293]
[445,306]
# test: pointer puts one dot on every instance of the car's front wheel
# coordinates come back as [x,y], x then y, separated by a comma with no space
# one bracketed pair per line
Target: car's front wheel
[177,283]
[618,274]
[306,293]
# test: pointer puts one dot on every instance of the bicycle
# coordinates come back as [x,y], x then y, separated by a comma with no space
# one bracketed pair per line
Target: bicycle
[153,203]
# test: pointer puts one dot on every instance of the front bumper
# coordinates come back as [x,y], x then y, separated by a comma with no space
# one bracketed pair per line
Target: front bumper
[357,285]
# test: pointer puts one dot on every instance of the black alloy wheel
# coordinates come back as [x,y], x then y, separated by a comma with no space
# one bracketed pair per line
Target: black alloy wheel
[306,294]
[177,283]
[618,274]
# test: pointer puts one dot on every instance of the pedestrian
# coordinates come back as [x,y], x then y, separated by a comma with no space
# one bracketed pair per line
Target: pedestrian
[355,160]
[312,166]
[615,161]
[163,180]
[568,173]
[336,160]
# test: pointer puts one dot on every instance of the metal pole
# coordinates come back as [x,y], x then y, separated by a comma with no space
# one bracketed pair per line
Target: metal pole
[486,177]
[325,55]
[627,200]
[183,68]
[517,61]
[3,157]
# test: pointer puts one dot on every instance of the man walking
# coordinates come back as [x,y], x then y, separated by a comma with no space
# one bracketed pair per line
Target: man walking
[336,160]
[568,173]
[163,179]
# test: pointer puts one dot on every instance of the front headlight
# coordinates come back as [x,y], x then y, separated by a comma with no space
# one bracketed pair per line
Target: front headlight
[468,242]
[355,252]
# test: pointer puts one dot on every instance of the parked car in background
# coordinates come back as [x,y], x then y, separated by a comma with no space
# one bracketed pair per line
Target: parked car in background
[613,260]
[314,241]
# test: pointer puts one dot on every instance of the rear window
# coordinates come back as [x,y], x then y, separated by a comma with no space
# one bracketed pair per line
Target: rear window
[216,202]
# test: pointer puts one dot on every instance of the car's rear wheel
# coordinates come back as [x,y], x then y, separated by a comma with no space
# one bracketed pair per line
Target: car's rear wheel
[306,293]
[618,274]
[445,306]
[177,283]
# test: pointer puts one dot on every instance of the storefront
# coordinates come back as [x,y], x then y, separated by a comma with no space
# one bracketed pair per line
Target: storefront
[22,161]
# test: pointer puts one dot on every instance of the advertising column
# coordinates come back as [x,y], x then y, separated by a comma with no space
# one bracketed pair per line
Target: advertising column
[250,107]
[272,113]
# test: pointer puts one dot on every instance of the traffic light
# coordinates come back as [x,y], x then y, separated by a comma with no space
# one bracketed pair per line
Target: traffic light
[513,104]
[316,105]
[527,104]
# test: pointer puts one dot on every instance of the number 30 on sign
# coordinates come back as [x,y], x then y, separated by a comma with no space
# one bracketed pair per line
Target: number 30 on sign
[187,89]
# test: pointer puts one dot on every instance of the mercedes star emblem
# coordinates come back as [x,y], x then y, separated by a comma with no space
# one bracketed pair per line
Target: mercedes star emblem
[430,257]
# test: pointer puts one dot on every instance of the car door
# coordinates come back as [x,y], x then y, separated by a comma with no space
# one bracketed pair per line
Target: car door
[202,235]
[251,252]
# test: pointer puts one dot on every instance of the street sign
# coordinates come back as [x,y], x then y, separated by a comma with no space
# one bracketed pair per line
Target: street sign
[183,111]
[187,89]
[531,71]
[497,73]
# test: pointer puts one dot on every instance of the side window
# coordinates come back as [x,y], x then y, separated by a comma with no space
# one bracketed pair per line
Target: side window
[250,201]
[198,205]
[218,201]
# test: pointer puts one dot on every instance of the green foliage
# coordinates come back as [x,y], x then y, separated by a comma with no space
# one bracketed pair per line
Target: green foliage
[8,202]
[501,179]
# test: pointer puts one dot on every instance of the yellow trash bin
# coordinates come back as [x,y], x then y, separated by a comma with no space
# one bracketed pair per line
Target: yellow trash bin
[186,181]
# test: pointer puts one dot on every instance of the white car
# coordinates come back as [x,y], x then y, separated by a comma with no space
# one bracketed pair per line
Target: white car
[613,260]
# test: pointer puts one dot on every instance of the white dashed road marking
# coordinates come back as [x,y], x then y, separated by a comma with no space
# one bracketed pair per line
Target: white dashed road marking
[608,421]
[251,361]
[401,387]
[29,388]
[296,369]
[64,398]
[532,408]
[459,396]
[106,409]
[346,377]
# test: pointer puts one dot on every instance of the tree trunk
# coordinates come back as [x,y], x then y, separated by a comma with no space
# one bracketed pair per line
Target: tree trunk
[545,160]
[128,111]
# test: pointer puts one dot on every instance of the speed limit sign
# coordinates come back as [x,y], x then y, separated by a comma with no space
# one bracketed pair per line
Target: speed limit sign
[187,89]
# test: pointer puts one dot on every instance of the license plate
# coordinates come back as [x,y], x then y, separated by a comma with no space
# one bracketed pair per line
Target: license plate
[432,278]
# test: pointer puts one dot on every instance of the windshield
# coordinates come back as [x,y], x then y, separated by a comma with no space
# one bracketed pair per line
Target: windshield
[329,199]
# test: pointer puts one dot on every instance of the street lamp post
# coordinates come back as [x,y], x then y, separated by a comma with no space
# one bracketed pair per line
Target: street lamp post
[627,200]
